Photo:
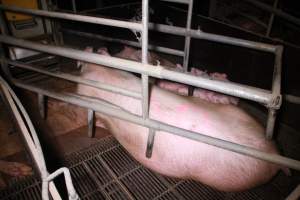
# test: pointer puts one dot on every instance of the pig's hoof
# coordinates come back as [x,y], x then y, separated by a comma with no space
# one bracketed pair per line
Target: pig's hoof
[15,169]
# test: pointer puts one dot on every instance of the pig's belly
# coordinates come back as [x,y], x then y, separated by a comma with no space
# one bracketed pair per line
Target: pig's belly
[180,157]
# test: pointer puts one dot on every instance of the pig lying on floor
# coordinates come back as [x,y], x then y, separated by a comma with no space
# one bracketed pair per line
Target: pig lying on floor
[177,156]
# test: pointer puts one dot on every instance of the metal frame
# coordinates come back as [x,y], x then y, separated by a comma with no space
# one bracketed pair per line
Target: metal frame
[271,100]
[32,141]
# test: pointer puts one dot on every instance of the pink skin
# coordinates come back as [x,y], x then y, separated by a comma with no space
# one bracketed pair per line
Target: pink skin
[207,95]
[15,169]
[177,156]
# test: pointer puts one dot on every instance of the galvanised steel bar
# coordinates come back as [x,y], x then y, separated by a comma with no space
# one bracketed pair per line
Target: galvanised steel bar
[276,89]
[198,34]
[277,12]
[178,1]
[78,79]
[74,17]
[126,42]
[158,126]
[145,78]
[188,38]
[158,27]
[259,95]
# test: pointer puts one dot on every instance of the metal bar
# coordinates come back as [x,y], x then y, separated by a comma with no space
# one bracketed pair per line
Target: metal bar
[158,126]
[276,89]
[178,1]
[188,38]
[237,10]
[68,180]
[91,123]
[126,42]
[295,194]
[145,78]
[270,24]
[76,79]
[234,89]
[150,143]
[74,6]
[291,98]
[4,31]
[212,37]
[30,138]
[74,17]
[277,12]
[42,105]
[158,27]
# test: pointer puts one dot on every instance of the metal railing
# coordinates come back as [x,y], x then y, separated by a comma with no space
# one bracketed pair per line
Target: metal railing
[34,146]
[271,99]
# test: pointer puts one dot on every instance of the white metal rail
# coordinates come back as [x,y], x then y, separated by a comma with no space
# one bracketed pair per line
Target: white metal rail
[34,146]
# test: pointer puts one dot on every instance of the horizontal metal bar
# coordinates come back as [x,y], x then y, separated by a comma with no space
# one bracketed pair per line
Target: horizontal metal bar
[77,79]
[212,37]
[178,1]
[158,126]
[136,26]
[234,89]
[126,42]
[292,98]
[275,11]
[74,17]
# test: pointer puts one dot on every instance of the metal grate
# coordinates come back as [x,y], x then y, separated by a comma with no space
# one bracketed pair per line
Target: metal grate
[106,171]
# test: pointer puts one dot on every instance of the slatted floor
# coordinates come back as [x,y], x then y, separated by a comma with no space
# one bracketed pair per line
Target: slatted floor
[107,171]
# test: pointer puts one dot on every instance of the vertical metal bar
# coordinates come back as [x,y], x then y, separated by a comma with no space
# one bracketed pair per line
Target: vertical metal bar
[145,78]
[57,37]
[91,123]
[270,24]
[42,105]
[276,88]
[188,38]
[5,32]
[46,22]
[150,143]
[74,8]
